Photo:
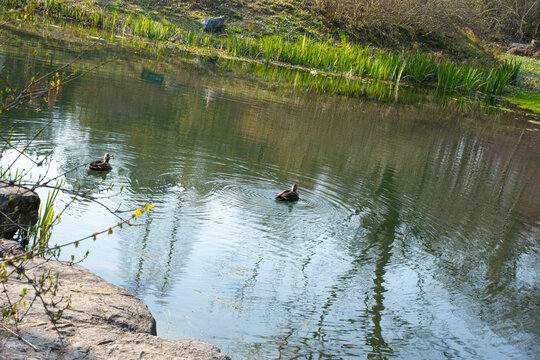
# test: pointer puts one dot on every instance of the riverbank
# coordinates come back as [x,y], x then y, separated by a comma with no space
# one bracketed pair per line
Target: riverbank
[106,321]
[463,64]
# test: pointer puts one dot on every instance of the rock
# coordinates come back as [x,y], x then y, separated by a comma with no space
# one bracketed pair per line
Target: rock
[10,247]
[214,24]
[532,50]
[518,45]
[106,322]
[518,50]
[19,207]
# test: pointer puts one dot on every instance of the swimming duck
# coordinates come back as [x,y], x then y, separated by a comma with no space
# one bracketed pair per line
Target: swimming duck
[101,165]
[288,195]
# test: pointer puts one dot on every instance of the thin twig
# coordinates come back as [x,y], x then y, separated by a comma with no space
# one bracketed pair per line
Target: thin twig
[19,337]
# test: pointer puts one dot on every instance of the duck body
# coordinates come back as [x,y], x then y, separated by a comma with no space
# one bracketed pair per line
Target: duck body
[101,165]
[288,195]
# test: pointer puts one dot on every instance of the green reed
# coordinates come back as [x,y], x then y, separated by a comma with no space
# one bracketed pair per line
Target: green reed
[38,235]
[420,67]
[495,80]
[512,67]
[470,78]
[448,75]
[357,60]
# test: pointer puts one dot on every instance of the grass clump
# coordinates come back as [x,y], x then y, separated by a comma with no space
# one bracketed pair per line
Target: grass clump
[420,67]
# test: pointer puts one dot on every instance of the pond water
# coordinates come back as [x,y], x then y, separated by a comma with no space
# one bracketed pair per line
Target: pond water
[416,235]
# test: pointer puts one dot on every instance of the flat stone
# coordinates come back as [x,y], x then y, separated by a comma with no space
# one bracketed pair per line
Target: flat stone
[10,247]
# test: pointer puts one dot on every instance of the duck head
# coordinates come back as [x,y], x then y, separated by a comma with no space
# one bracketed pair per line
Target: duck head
[294,187]
[106,157]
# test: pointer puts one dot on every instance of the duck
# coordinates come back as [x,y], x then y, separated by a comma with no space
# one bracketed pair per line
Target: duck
[288,195]
[101,165]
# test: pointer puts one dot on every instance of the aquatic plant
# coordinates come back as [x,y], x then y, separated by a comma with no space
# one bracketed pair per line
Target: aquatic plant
[470,77]
[513,67]
[38,235]
[448,75]
[354,60]
[495,80]
[420,67]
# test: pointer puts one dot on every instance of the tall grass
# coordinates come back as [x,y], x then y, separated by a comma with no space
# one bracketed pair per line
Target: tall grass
[495,80]
[448,75]
[37,236]
[468,77]
[352,59]
[420,67]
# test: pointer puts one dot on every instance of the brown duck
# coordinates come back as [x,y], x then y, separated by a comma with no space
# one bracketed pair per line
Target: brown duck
[288,195]
[101,165]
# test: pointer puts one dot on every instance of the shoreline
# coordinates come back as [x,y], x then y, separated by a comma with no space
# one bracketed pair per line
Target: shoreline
[488,75]
[105,322]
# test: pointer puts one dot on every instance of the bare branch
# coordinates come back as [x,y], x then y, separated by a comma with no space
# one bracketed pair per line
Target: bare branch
[19,337]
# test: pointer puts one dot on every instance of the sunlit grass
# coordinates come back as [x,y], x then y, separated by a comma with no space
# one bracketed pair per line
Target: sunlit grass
[526,100]
[420,67]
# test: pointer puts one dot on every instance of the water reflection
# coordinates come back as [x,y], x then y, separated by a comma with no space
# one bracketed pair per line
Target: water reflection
[151,76]
[382,234]
[414,236]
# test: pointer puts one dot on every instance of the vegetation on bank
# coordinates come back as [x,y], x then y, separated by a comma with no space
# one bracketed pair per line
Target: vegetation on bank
[339,57]
[434,20]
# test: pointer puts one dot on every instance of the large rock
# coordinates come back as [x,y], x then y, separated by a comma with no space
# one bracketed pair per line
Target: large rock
[214,24]
[518,50]
[19,208]
[532,50]
[106,322]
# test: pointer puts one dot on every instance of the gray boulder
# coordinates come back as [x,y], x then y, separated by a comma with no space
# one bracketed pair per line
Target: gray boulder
[19,208]
[214,24]
[532,50]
